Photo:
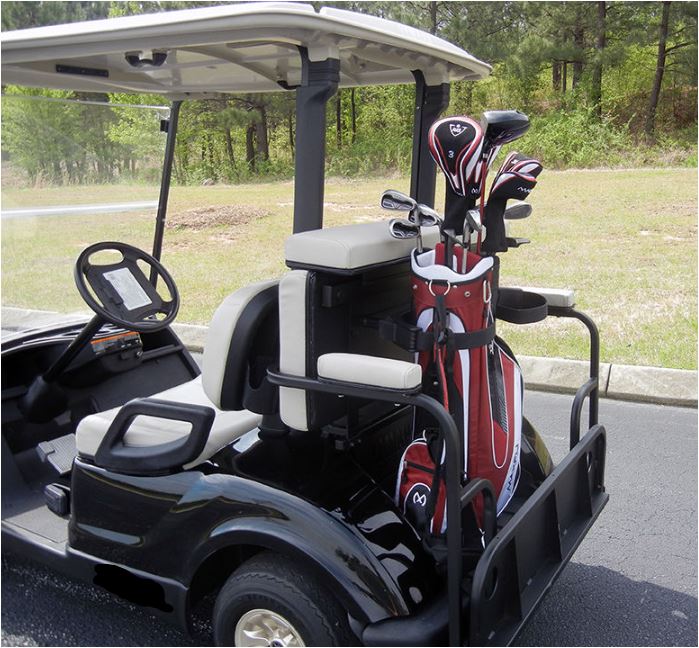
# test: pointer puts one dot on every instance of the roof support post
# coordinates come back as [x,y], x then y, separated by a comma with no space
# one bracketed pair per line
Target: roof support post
[319,81]
[430,101]
[165,183]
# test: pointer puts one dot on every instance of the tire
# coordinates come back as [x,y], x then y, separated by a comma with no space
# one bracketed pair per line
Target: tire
[269,591]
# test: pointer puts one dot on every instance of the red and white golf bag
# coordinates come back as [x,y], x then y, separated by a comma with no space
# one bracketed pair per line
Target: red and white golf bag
[472,375]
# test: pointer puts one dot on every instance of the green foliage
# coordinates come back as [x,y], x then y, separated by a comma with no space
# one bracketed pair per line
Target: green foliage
[577,139]
[19,15]
[544,58]
[65,142]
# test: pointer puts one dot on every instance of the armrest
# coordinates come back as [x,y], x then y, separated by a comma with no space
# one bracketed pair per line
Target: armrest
[370,370]
[114,454]
[555,297]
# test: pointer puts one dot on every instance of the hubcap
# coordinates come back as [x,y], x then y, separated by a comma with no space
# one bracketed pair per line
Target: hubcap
[265,628]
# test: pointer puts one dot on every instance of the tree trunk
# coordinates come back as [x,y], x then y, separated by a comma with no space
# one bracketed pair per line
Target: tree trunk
[564,76]
[353,107]
[250,145]
[579,40]
[262,135]
[338,118]
[556,75]
[229,146]
[600,43]
[210,154]
[659,71]
[433,18]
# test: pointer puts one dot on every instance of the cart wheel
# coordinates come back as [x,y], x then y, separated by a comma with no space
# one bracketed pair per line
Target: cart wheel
[269,601]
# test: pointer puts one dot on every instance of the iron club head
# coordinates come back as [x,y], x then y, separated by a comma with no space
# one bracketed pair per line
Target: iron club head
[397,201]
[518,211]
[473,220]
[401,228]
[425,216]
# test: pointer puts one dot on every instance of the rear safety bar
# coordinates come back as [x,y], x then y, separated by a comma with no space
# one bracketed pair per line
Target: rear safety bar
[521,561]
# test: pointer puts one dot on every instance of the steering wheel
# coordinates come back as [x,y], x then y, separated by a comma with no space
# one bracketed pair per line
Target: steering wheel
[120,293]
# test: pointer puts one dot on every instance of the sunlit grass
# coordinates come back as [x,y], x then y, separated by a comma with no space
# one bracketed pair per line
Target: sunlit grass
[625,240]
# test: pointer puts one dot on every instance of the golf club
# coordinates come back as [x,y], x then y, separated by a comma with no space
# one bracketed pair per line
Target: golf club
[472,223]
[401,228]
[397,201]
[510,182]
[456,145]
[518,211]
[499,127]
[425,216]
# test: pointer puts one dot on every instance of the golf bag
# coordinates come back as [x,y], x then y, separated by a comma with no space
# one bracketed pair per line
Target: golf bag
[476,379]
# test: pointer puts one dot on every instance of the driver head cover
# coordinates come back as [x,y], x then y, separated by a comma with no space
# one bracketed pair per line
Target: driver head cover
[456,144]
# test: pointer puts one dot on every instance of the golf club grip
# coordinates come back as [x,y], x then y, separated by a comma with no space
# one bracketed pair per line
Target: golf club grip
[495,236]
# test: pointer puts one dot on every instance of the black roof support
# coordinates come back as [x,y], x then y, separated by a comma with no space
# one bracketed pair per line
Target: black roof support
[319,80]
[430,101]
[165,184]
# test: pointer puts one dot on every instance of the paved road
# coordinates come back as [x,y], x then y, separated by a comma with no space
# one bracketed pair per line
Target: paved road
[77,210]
[633,581]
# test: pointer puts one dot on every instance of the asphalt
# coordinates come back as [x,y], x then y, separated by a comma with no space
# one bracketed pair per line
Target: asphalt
[633,581]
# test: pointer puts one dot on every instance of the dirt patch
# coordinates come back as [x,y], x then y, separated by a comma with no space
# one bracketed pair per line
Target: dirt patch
[200,218]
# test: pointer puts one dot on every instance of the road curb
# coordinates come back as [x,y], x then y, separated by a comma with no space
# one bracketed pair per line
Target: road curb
[617,381]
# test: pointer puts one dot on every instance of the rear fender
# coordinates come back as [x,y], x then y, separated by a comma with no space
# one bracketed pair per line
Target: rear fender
[312,537]
[535,458]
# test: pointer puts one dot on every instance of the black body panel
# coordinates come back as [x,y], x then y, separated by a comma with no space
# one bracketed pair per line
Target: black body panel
[177,522]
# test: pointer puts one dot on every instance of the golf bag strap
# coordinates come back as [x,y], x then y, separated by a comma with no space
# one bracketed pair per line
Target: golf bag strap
[412,338]
[436,482]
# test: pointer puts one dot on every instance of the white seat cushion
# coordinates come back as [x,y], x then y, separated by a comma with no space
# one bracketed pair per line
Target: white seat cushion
[151,430]
[293,408]
[369,370]
[221,335]
[351,247]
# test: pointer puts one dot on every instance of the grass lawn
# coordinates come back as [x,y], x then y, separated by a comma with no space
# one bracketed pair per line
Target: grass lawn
[625,240]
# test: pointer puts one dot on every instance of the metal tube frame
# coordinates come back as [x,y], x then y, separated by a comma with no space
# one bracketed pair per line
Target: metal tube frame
[165,185]
[430,101]
[319,82]
[590,389]
[458,497]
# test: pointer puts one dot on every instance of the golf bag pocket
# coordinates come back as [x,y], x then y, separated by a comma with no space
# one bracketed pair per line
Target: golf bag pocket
[498,456]
[420,489]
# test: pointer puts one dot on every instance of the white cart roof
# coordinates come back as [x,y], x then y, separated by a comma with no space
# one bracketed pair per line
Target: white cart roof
[233,48]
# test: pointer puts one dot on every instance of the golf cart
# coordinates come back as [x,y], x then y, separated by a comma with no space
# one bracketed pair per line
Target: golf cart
[268,478]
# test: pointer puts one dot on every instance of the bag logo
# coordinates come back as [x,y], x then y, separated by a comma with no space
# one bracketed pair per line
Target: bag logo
[420,500]
[456,129]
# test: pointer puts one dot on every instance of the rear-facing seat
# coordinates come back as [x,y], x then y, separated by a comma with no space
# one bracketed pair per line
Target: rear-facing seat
[242,342]
[340,277]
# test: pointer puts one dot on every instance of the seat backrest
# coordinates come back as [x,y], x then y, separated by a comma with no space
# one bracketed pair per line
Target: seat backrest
[241,344]
[341,277]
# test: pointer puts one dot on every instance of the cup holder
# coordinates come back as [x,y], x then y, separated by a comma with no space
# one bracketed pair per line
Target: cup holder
[520,307]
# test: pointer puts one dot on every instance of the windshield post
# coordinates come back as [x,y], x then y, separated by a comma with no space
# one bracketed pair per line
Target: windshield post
[430,101]
[165,184]
[319,81]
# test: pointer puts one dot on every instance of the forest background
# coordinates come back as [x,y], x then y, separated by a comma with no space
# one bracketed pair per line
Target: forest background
[606,84]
